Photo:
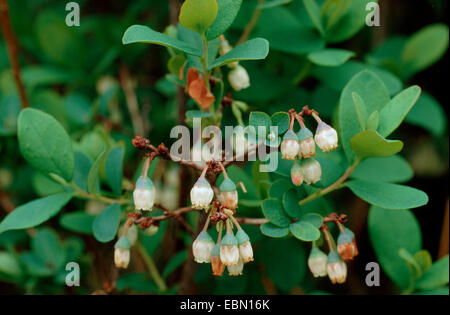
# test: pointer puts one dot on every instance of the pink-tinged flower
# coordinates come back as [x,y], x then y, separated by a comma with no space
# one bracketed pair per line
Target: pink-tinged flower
[201,194]
[346,245]
[202,248]
[229,250]
[228,194]
[238,78]
[122,252]
[336,268]
[236,270]
[216,264]
[289,146]
[311,170]
[144,194]
[296,174]
[245,247]
[317,262]
[326,137]
[307,146]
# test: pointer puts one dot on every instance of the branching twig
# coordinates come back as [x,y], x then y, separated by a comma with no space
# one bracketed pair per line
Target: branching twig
[251,25]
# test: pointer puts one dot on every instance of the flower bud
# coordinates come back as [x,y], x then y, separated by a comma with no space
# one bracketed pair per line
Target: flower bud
[228,194]
[202,247]
[346,245]
[122,252]
[245,247]
[236,270]
[132,233]
[289,146]
[201,194]
[144,194]
[326,137]
[317,262]
[336,268]
[296,174]
[229,251]
[311,170]
[151,230]
[238,78]
[216,264]
[307,146]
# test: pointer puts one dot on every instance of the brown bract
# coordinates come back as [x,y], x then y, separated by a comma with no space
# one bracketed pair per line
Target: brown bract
[198,90]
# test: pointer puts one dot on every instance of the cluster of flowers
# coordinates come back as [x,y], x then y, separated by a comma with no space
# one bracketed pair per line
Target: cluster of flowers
[333,264]
[303,146]
[238,76]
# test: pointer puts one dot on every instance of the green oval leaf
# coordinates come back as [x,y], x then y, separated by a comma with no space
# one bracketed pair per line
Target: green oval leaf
[274,212]
[304,231]
[271,230]
[45,144]
[436,276]
[228,10]
[260,119]
[34,212]
[370,143]
[393,169]
[114,169]
[254,49]
[92,179]
[198,15]
[330,57]
[388,196]
[281,120]
[290,203]
[373,121]
[78,221]
[144,34]
[105,224]
[392,115]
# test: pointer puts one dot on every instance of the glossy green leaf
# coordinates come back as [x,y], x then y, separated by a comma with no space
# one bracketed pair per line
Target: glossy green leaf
[304,231]
[281,120]
[228,10]
[198,15]
[290,203]
[82,167]
[78,221]
[360,109]
[330,57]
[375,95]
[114,169]
[271,230]
[436,276]
[106,223]
[387,195]
[392,115]
[254,49]
[314,14]
[424,48]
[370,143]
[45,144]
[394,169]
[279,187]
[373,121]
[35,212]
[274,212]
[428,114]
[314,218]
[144,34]
[257,119]
[94,173]
[390,231]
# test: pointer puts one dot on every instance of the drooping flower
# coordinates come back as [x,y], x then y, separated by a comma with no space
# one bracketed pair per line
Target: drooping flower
[144,194]
[311,170]
[122,252]
[289,145]
[236,270]
[245,247]
[228,194]
[238,78]
[229,250]
[326,137]
[198,90]
[201,194]
[216,264]
[346,245]
[317,262]
[336,268]
[202,247]
[307,146]
[296,174]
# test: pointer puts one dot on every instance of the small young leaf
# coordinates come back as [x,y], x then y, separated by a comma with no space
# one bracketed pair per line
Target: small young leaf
[388,196]
[45,144]
[114,169]
[392,115]
[373,121]
[330,57]
[370,143]
[228,10]
[274,212]
[271,230]
[106,223]
[198,15]
[94,173]
[254,49]
[361,111]
[436,276]
[144,34]
[304,231]
[34,212]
